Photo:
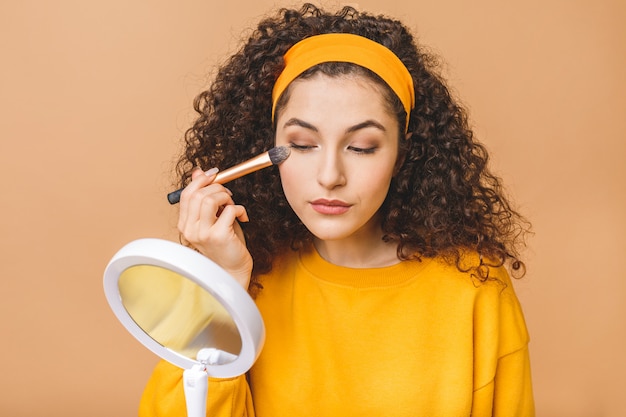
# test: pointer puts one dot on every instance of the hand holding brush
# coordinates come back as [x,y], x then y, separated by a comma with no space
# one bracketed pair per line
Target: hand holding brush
[274,156]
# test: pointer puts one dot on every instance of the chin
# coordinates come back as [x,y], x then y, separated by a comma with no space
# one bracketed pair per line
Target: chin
[330,232]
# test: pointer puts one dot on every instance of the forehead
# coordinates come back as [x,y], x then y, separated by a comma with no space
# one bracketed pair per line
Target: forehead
[344,93]
[337,106]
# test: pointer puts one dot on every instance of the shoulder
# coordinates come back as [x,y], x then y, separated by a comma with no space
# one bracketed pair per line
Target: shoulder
[471,269]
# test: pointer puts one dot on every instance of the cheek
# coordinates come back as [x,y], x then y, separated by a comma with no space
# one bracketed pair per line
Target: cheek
[375,186]
[374,183]
[290,178]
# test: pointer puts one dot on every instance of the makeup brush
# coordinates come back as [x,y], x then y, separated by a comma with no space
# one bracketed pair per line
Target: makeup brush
[274,156]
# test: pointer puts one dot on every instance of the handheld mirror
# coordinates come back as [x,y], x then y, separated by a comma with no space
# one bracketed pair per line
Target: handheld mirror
[187,310]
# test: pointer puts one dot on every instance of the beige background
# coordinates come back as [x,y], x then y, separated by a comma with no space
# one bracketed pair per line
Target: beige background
[95,95]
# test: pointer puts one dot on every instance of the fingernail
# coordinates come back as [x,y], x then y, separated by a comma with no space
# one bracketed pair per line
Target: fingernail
[212,171]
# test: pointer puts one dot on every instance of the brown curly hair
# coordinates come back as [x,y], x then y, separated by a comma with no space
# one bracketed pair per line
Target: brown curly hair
[442,202]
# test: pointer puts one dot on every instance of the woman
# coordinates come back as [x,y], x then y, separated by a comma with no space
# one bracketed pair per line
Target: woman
[377,251]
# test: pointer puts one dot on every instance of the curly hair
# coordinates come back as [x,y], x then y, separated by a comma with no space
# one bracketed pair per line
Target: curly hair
[443,202]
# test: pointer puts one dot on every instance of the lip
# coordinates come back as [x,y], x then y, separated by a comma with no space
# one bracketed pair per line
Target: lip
[324,206]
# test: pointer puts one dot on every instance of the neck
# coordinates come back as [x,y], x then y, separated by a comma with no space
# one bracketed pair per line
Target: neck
[359,251]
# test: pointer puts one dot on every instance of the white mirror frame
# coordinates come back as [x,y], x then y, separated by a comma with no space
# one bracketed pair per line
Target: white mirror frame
[208,275]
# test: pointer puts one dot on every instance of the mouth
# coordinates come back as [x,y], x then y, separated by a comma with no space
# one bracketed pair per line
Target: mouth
[333,207]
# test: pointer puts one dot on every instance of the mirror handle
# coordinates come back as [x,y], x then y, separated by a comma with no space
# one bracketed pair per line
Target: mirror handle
[196,387]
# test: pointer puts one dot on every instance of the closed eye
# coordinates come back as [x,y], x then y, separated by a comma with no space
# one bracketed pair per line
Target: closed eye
[301,148]
[363,151]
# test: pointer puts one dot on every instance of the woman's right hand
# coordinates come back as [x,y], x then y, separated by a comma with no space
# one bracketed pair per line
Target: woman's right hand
[208,220]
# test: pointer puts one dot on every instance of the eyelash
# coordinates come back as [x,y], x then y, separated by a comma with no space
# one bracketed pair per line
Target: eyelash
[362,151]
[300,148]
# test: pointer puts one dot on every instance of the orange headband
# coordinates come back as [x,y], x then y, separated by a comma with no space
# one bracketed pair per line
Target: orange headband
[346,47]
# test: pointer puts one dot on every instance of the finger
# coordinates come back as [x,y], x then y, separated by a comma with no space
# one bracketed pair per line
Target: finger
[202,209]
[199,179]
[224,226]
[210,208]
[197,172]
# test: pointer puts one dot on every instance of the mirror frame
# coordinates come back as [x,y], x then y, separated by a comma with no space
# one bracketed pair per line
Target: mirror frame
[208,275]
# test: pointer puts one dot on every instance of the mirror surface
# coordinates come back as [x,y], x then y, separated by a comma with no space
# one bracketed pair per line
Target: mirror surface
[176,312]
[184,307]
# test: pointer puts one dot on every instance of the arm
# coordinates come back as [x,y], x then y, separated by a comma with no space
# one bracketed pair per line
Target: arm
[513,394]
[513,388]
[503,383]
[164,396]
[510,394]
[208,220]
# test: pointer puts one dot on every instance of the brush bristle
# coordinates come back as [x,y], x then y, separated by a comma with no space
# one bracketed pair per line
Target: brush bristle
[279,154]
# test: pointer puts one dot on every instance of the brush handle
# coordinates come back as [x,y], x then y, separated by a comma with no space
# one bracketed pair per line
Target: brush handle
[251,165]
[174,196]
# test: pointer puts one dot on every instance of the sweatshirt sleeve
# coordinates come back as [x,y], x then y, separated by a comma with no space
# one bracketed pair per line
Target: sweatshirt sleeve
[513,390]
[164,395]
[503,374]
[513,394]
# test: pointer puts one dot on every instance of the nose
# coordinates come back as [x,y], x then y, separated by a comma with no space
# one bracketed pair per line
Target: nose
[331,170]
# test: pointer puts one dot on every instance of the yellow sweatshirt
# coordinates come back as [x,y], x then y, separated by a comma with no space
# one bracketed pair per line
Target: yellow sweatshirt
[413,339]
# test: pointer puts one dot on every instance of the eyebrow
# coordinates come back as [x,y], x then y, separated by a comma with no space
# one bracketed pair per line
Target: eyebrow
[298,122]
[366,124]
[363,125]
